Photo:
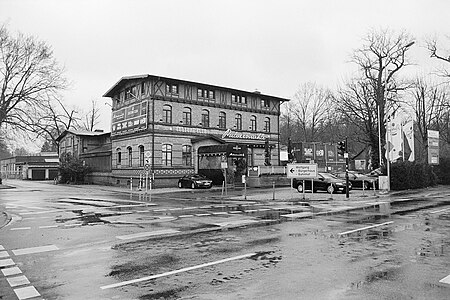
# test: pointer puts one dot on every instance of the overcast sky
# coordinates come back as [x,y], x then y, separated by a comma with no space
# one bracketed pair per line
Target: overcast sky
[272,46]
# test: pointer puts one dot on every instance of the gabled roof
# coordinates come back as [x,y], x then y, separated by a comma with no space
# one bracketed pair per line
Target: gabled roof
[81,133]
[125,79]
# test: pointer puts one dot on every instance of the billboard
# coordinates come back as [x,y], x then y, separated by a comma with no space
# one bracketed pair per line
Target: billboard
[433,147]
[400,139]
[129,119]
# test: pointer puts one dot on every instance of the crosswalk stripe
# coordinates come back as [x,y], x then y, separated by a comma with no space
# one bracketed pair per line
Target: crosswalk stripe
[4,254]
[6,262]
[33,250]
[20,228]
[26,292]
[18,280]
[445,280]
[11,271]
[146,234]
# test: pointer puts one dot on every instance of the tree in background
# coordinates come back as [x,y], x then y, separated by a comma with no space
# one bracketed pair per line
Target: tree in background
[29,76]
[375,94]
[72,169]
[430,104]
[91,119]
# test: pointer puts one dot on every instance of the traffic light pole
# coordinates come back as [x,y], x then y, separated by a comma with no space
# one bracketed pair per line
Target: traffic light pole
[346,169]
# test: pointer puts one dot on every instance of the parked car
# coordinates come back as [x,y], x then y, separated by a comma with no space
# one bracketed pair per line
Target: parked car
[324,182]
[194,181]
[358,179]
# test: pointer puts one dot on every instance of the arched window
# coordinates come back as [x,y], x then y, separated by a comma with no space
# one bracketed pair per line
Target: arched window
[141,156]
[166,155]
[205,118]
[186,155]
[267,125]
[167,114]
[253,123]
[238,123]
[187,116]
[130,156]
[119,156]
[222,120]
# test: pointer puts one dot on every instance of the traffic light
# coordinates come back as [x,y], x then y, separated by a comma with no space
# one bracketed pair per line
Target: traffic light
[341,148]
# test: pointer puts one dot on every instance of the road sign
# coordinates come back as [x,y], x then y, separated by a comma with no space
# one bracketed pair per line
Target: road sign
[224,165]
[147,167]
[303,171]
[148,154]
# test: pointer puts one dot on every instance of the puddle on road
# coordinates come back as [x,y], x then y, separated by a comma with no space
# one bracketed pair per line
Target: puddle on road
[88,218]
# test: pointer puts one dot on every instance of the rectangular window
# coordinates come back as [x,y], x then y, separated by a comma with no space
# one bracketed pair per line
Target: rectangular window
[222,120]
[172,88]
[186,156]
[166,155]
[187,120]
[265,103]
[239,99]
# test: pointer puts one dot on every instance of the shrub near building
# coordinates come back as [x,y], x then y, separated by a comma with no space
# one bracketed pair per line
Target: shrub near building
[72,169]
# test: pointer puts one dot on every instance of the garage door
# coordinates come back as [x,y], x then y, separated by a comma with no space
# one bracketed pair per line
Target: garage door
[52,174]
[38,174]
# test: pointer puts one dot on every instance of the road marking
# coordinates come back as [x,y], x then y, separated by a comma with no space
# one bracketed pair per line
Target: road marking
[33,250]
[35,218]
[236,212]
[39,212]
[236,223]
[220,213]
[11,271]
[364,228]
[18,280]
[176,271]
[21,228]
[73,225]
[4,254]
[185,216]
[2,248]
[6,262]
[202,215]
[445,280]
[158,210]
[438,211]
[26,292]
[48,226]
[146,234]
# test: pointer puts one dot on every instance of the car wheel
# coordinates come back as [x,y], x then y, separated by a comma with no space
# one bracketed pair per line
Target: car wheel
[193,185]
[330,189]
[179,184]
[300,188]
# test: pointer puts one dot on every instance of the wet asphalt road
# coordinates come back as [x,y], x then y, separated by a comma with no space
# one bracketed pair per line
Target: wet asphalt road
[75,243]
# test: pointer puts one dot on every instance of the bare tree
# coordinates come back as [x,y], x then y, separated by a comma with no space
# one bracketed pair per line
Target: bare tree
[29,76]
[311,110]
[376,92]
[91,119]
[430,104]
[440,53]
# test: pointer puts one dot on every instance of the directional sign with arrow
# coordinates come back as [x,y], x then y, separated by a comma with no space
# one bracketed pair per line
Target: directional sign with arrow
[303,171]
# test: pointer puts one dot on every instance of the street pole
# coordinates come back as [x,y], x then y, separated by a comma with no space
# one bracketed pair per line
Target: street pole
[346,169]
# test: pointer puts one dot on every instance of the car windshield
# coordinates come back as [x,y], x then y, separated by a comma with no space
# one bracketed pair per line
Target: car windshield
[328,175]
[198,176]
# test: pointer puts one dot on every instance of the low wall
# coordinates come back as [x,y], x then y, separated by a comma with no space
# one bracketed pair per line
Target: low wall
[267,181]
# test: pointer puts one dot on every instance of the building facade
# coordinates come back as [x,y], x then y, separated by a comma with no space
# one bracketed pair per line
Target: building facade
[159,124]
[42,166]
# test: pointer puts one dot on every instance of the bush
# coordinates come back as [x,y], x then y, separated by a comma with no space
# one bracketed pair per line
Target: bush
[443,170]
[411,175]
[72,169]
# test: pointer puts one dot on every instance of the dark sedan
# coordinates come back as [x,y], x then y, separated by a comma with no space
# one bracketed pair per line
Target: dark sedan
[323,182]
[359,180]
[194,181]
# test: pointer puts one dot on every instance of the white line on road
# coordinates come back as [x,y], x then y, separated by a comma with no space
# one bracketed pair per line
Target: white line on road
[73,225]
[202,215]
[438,211]
[18,280]
[4,254]
[2,248]
[11,271]
[146,234]
[21,228]
[36,218]
[185,216]
[364,228]
[26,292]
[176,271]
[33,250]
[6,262]
[445,280]
[48,226]
[39,212]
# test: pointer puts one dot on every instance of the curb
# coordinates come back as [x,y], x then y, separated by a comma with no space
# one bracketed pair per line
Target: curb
[7,218]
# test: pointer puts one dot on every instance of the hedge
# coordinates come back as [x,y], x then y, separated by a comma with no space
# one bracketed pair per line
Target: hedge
[412,175]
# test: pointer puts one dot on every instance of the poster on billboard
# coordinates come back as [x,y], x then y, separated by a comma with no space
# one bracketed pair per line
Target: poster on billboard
[331,152]
[308,151]
[319,151]
[400,139]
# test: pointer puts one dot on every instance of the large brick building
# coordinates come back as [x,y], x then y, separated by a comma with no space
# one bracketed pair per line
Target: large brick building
[166,125]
